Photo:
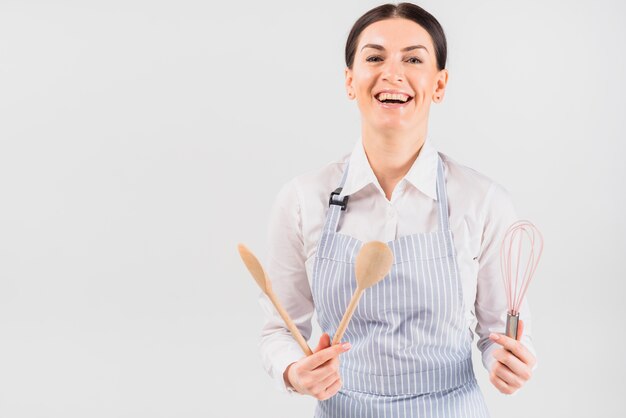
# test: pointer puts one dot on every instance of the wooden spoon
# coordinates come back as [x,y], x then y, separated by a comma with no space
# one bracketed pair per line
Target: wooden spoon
[373,262]
[256,269]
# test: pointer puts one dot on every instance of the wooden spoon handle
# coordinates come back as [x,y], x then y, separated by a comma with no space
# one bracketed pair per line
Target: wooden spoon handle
[290,324]
[347,316]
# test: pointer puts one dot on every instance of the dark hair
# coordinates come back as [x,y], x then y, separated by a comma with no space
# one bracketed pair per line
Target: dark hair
[408,11]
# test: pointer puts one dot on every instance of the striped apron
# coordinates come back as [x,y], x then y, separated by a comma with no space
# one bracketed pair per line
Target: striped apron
[411,349]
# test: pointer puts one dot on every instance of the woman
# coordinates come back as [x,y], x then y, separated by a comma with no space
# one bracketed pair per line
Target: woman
[407,350]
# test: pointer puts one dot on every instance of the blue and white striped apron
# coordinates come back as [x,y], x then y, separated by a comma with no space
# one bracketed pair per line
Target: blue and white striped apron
[411,349]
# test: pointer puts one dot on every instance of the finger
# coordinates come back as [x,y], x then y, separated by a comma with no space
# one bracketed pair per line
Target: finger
[514,346]
[328,381]
[323,343]
[500,384]
[313,361]
[520,329]
[326,369]
[519,368]
[331,390]
[507,376]
[318,380]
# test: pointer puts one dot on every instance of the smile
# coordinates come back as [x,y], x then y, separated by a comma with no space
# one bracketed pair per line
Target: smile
[393,102]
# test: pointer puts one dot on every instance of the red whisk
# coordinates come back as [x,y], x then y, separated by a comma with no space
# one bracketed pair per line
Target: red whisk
[526,239]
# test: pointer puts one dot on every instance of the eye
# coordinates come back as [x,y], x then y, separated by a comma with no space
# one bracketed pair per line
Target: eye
[417,60]
[371,59]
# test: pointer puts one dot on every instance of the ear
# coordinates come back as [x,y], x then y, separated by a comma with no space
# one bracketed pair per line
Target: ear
[440,85]
[349,87]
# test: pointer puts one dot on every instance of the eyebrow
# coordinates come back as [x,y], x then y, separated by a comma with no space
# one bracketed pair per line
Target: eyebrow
[382,48]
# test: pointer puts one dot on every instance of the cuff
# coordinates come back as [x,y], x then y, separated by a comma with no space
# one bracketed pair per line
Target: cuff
[279,365]
[488,359]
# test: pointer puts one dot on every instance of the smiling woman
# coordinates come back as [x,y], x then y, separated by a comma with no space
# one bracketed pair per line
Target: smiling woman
[409,341]
[377,52]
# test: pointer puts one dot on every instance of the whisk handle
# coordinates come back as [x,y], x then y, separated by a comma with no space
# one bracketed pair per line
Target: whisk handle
[511,325]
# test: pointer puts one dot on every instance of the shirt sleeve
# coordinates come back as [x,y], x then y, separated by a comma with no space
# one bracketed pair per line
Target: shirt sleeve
[491,303]
[285,267]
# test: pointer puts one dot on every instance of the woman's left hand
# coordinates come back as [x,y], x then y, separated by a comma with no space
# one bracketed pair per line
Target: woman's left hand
[514,362]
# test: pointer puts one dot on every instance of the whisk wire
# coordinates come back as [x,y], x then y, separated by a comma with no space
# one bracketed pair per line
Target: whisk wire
[515,277]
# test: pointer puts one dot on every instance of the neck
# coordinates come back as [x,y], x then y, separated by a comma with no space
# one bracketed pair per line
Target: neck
[391,154]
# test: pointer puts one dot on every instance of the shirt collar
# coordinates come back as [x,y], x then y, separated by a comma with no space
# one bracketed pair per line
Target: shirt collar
[422,174]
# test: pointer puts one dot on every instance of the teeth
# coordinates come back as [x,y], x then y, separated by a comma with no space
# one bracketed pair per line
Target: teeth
[387,96]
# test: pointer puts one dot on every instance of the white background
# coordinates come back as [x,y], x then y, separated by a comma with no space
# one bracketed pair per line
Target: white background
[140,141]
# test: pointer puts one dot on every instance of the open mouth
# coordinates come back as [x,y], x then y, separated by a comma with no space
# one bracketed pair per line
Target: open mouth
[397,99]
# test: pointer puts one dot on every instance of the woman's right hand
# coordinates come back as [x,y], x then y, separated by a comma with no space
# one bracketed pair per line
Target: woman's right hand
[318,374]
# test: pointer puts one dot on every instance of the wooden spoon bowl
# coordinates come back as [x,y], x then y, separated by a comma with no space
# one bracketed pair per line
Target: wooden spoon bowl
[256,269]
[373,263]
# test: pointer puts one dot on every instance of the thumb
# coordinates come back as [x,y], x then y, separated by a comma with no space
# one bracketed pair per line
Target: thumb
[324,342]
[520,329]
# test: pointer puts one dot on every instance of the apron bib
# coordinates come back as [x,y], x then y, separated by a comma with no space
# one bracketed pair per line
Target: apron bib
[411,349]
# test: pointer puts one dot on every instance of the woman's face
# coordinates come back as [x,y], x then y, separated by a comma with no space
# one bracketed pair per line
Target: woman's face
[396,55]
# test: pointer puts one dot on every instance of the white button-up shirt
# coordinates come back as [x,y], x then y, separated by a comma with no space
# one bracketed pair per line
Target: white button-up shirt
[480,213]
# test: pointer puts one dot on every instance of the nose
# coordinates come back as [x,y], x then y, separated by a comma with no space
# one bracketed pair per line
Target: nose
[393,71]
